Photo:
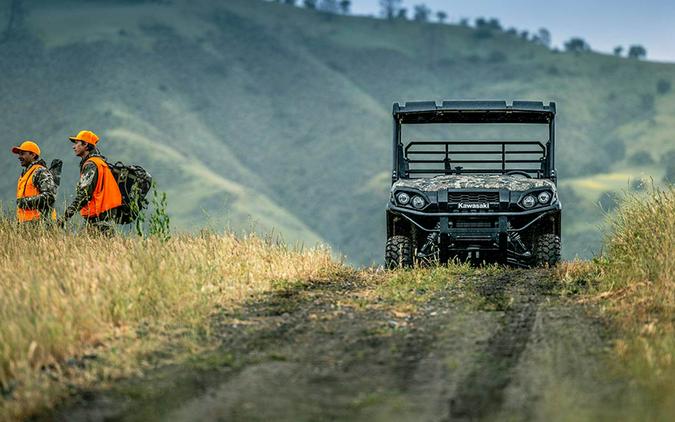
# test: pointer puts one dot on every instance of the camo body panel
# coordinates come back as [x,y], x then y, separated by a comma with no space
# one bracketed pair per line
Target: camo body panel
[484,181]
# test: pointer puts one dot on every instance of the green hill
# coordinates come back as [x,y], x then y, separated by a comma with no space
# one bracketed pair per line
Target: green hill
[257,114]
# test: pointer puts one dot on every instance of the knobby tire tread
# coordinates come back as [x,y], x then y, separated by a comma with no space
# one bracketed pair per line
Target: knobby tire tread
[547,250]
[398,252]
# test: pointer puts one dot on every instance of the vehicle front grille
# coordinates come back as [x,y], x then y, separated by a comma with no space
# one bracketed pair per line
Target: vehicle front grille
[473,224]
[473,197]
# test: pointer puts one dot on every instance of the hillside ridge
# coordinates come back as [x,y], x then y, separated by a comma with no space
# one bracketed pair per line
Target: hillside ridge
[294,105]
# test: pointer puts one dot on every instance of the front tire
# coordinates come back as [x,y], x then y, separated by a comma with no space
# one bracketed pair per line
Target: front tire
[398,252]
[547,250]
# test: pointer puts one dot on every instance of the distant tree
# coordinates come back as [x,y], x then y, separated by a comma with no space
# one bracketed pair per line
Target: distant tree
[441,16]
[576,45]
[494,23]
[663,86]
[512,31]
[542,37]
[390,8]
[618,51]
[641,158]
[290,2]
[421,13]
[525,35]
[309,4]
[329,6]
[464,22]
[637,52]
[402,14]
[480,22]
[345,7]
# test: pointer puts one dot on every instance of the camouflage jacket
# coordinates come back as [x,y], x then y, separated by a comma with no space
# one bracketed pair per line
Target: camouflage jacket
[43,180]
[85,186]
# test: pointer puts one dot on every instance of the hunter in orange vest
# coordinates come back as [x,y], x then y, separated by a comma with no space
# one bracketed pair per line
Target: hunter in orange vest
[36,188]
[97,193]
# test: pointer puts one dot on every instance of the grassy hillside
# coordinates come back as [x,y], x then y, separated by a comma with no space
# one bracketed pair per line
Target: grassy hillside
[252,113]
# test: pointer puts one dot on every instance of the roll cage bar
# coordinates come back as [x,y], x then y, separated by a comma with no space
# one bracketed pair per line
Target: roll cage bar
[528,112]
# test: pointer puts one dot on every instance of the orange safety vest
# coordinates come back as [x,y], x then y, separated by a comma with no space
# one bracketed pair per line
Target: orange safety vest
[106,195]
[26,189]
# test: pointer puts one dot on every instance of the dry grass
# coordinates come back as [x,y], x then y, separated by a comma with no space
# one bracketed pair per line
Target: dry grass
[634,281]
[64,294]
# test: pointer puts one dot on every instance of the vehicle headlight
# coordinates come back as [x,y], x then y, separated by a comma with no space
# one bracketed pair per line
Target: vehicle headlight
[418,202]
[403,198]
[544,197]
[529,201]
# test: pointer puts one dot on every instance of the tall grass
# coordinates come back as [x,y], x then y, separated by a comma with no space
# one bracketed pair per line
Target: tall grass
[640,246]
[639,279]
[62,293]
[634,281]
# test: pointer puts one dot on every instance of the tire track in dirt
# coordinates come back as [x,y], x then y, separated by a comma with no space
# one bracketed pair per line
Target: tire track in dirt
[483,347]
[481,393]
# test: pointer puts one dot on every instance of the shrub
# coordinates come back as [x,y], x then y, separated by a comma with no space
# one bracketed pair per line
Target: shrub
[553,70]
[647,102]
[638,185]
[663,86]
[496,57]
[608,201]
[641,158]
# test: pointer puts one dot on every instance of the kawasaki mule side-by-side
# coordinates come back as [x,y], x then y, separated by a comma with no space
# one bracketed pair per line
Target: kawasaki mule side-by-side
[470,182]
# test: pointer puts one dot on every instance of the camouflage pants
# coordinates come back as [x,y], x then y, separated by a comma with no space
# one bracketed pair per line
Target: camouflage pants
[37,229]
[45,221]
[103,227]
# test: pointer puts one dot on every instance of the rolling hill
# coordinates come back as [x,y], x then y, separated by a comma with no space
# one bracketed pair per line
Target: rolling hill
[257,115]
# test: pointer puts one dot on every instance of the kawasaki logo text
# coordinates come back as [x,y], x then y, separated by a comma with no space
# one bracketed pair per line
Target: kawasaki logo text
[473,206]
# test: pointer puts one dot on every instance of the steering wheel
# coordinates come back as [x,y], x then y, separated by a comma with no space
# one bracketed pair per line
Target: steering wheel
[520,172]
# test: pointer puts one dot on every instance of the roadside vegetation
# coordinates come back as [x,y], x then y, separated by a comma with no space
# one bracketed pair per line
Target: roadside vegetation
[79,310]
[83,312]
[633,281]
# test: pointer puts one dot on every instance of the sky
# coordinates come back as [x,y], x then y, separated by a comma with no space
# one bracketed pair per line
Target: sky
[604,24]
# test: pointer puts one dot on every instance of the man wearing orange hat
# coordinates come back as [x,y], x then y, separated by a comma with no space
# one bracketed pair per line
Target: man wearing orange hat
[36,188]
[97,194]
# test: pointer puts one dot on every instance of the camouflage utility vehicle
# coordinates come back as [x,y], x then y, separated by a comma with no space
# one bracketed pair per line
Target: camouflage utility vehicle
[470,198]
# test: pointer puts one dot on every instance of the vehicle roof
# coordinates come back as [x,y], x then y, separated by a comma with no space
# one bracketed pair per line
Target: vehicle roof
[474,112]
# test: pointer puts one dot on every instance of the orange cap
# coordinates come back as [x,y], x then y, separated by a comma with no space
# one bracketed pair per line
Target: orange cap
[29,146]
[85,136]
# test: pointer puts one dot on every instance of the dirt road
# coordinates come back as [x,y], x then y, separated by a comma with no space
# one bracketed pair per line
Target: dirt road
[500,346]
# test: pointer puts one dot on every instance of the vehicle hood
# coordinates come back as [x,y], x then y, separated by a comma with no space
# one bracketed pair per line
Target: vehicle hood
[483,181]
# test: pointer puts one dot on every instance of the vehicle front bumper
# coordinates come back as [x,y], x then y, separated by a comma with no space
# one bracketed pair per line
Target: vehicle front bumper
[475,234]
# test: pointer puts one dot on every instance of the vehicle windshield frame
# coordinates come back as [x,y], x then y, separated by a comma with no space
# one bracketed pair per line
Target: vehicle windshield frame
[474,112]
